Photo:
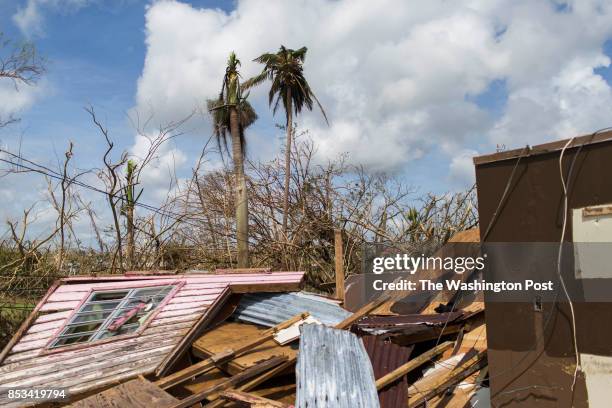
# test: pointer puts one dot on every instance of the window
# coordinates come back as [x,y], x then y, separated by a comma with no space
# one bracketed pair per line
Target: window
[111,313]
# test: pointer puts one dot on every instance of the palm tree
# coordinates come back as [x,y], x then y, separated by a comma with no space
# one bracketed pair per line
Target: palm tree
[232,114]
[285,70]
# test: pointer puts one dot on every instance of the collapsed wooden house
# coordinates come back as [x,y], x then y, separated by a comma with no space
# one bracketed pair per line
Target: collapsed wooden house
[234,338]
[90,332]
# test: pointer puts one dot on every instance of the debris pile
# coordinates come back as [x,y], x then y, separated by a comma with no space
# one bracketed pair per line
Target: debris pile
[246,339]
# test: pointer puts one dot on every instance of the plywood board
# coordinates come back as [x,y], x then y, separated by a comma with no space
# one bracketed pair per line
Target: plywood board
[232,335]
[137,393]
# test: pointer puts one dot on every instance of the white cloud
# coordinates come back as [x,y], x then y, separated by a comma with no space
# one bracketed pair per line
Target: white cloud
[159,177]
[461,168]
[30,19]
[14,100]
[394,78]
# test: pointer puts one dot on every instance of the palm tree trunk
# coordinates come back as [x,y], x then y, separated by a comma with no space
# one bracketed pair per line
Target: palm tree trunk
[287,163]
[242,209]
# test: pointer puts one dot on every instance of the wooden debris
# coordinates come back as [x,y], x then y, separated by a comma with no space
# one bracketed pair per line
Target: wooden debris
[230,382]
[244,399]
[138,393]
[234,335]
[429,387]
[206,365]
[346,323]
[411,365]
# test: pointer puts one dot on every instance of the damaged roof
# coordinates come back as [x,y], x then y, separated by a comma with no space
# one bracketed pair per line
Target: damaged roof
[99,356]
[270,309]
[333,370]
[386,357]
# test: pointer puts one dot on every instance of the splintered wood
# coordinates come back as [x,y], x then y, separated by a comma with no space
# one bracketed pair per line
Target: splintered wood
[233,335]
[136,393]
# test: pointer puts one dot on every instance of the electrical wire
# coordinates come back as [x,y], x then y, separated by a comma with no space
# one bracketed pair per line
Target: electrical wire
[560,254]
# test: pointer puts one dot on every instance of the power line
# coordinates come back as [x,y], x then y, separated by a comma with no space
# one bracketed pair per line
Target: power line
[73,181]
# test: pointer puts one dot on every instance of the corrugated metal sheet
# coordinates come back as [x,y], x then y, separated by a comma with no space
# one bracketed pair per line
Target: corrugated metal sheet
[333,370]
[406,323]
[270,309]
[94,365]
[386,357]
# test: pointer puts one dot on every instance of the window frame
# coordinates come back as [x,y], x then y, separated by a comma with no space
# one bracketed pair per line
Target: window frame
[129,287]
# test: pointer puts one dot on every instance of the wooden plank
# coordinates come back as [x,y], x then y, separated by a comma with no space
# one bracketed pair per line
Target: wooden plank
[219,286]
[461,371]
[38,335]
[250,385]
[53,306]
[339,264]
[113,379]
[182,312]
[39,327]
[230,382]
[242,270]
[208,364]
[170,320]
[364,310]
[12,359]
[187,305]
[195,297]
[234,335]
[76,372]
[189,290]
[145,337]
[404,369]
[42,367]
[125,284]
[49,317]
[106,375]
[67,297]
[30,345]
[202,382]
[250,400]
[203,321]
[285,286]
[137,393]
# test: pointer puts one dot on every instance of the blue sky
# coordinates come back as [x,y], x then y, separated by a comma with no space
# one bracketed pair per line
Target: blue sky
[415,93]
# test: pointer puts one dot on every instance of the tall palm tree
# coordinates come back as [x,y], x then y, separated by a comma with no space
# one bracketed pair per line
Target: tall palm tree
[284,69]
[232,114]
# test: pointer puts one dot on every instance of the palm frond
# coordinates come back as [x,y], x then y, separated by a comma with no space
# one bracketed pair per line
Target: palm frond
[254,81]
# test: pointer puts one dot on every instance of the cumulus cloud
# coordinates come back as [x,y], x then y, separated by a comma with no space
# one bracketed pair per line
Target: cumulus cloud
[30,18]
[15,99]
[157,177]
[461,168]
[395,78]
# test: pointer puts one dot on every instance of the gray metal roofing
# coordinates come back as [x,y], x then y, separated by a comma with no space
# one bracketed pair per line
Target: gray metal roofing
[333,370]
[270,309]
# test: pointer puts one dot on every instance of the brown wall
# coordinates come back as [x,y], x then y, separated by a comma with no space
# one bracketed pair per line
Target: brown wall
[531,353]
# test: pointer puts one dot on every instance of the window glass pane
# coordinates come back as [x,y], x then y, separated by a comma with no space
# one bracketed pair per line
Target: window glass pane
[103,309]
[108,296]
[63,341]
[95,307]
[90,317]
[152,292]
[81,328]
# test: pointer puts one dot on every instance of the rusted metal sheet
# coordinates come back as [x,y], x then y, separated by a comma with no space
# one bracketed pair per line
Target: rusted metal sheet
[84,367]
[270,309]
[333,370]
[386,357]
[528,346]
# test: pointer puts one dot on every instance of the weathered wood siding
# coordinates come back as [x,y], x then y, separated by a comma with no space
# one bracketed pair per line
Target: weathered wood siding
[28,365]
